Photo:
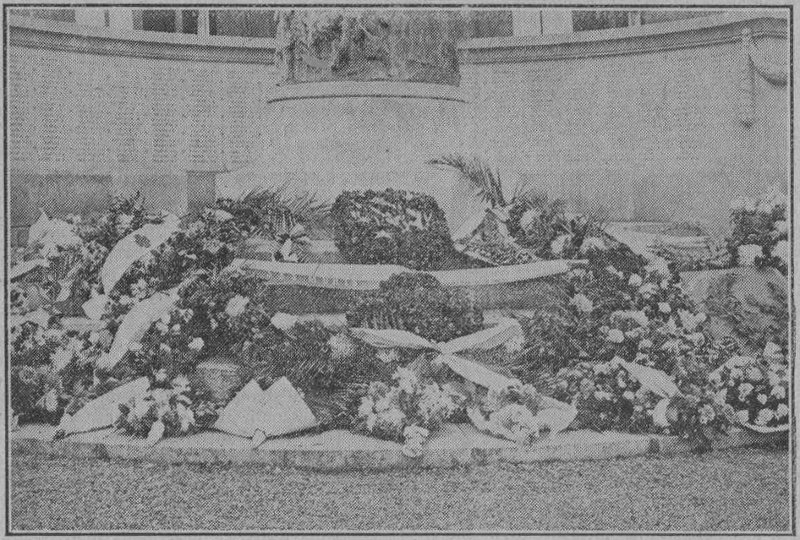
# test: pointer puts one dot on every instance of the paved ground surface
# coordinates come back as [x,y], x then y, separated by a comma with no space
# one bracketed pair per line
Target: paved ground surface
[732,490]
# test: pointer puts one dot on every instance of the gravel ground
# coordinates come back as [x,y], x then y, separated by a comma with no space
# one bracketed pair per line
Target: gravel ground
[737,490]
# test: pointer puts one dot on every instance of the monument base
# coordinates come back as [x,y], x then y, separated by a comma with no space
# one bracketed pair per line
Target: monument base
[329,137]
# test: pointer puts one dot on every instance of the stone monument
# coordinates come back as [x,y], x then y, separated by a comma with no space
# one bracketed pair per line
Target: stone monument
[364,99]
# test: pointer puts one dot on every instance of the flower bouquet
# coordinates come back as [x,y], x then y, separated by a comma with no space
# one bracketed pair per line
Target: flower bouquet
[757,391]
[519,413]
[166,410]
[405,412]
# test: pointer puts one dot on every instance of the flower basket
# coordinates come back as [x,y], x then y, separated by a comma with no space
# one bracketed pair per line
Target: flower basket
[220,377]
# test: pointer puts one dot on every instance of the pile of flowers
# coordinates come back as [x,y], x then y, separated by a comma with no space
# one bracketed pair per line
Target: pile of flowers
[760,232]
[50,368]
[757,390]
[173,303]
[169,409]
[550,232]
[405,412]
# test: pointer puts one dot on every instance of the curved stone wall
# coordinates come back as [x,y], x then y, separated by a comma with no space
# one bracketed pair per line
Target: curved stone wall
[94,111]
[646,123]
[658,122]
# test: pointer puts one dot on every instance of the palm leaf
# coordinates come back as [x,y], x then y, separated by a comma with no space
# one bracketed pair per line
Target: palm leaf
[278,209]
[480,175]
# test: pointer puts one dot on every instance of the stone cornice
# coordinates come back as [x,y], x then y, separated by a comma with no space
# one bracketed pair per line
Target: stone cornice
[337,89]
[699,32]
[42,34]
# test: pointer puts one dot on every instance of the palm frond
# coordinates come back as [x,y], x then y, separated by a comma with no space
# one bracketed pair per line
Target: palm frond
[480,175]
[303,205]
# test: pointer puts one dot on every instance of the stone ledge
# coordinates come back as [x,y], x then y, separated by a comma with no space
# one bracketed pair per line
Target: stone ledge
[697,32]
[54,35]
[455,445]
[355,89]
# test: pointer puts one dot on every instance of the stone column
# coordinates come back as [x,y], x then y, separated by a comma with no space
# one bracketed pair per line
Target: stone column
[90,16]
[120,18]
[203,28]
[535,22]
[527,22]
[556,21]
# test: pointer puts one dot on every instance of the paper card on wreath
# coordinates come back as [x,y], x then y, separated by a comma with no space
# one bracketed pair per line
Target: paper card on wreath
[278,410]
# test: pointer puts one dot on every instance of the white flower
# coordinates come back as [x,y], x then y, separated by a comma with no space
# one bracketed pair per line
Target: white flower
[161,327]
[180,384]
[764,416]
[591,243]
[744,391]
[393,417]
[778,392]
[772,350]
[645,344]
[161,375]
[721,397]
[383,404]
[743,416]
[124,222]
[629,395]
[602,396]
[61,357]
[635,280]
[196,344]
[601,369]
[689,320]
[781,227]
[748,254]
[283,321]
[166,348]
[736,373]
[664,307]
[781,250]
[514,345]
[754,374]
[715,378]
[582,303]
[406,379]
[762,398]
[185,416]
[134,346]
[366,407]
[781,411]
[648,289]
[557,246]
[236,305]
[528,216]
[388,356]
[616,336]
[222,215]
[707,414]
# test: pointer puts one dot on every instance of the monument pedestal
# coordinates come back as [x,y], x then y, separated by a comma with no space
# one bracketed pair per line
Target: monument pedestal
[332,136]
